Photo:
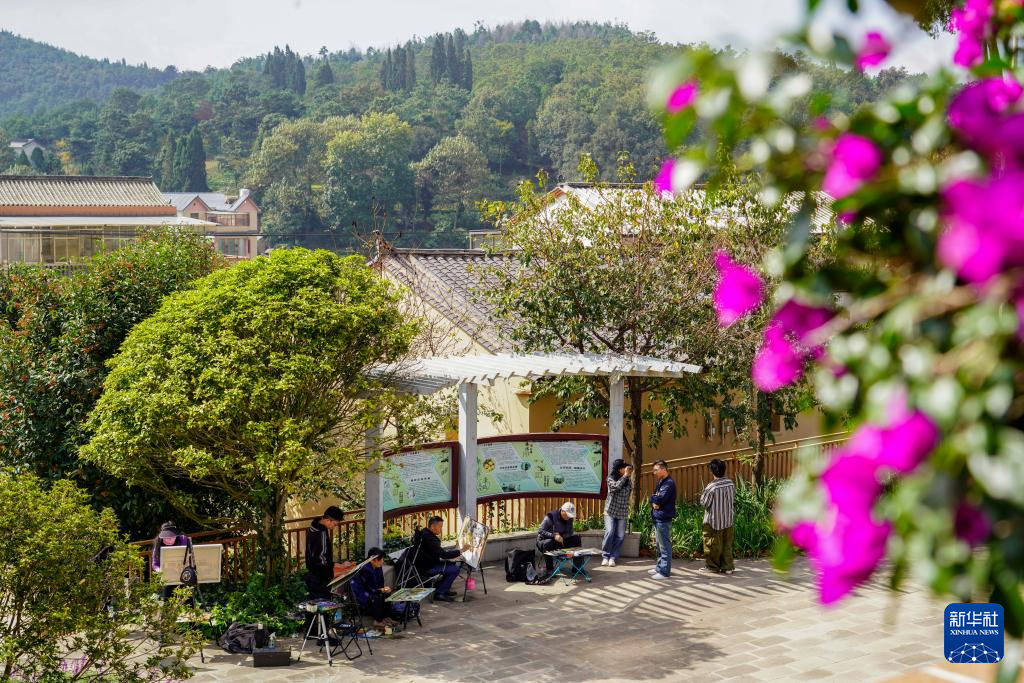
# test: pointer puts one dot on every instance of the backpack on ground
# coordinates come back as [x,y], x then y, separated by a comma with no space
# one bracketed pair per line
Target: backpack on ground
[521,566]
[243,638]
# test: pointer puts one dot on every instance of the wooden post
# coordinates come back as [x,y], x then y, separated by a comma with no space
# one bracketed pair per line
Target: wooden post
[467,450]
[373,522]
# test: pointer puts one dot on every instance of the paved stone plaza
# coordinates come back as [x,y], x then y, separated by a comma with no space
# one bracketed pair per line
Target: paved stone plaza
[753,626]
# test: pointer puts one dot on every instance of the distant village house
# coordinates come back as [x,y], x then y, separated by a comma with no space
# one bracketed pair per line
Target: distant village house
[236,220]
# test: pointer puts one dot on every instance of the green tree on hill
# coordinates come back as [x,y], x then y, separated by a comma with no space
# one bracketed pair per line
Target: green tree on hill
[253,384]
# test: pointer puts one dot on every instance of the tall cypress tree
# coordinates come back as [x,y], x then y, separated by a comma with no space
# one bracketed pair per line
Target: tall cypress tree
[324,75]
[467,72]
[23,160]
[385,71]
[410,67]
[165,167]
[38,162]
[453,63]
[438,60]
[298,80]
[195,169]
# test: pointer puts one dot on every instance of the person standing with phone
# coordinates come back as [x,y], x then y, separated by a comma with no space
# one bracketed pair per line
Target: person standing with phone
[616,510]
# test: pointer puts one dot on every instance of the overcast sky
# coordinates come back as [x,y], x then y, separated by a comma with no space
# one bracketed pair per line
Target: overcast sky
[192,34]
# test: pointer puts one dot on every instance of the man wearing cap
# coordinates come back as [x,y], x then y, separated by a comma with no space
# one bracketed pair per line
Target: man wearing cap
[556,532]
[320,553]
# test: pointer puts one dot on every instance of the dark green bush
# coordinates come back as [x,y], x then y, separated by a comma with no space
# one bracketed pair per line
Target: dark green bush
[753,531]
[254,603]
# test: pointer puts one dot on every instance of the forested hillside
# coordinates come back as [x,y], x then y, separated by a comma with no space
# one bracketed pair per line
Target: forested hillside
[37,76]
[404,139]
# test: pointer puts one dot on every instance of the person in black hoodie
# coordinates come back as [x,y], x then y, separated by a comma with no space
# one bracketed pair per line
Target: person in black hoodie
[320,553]
[433,559]
[556,532]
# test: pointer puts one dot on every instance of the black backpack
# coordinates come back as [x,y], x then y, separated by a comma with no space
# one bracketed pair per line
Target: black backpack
[520,566]
[243,638]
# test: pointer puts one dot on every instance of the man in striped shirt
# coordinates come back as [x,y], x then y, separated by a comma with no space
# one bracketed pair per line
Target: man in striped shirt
[717,499]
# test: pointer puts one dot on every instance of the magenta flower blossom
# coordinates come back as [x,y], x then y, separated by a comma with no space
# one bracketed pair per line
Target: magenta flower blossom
[874,50]
[778,362]
[855,161]
[682,97]
[663,181]
[971,23]
[982,116]
[851,481]
[908,442]
[971,524]
[847,553]
[738,292]
[801,320]
[984,226]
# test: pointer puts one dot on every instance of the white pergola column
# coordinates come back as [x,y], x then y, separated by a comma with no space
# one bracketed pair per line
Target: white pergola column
[616,410]
[467,450]
[373,527]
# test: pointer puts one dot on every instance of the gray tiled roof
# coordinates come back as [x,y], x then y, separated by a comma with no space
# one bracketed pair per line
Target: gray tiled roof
[215,200]
[79,191]
[450,280]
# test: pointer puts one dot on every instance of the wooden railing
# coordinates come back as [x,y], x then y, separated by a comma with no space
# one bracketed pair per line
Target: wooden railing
[690,474]
[239,559]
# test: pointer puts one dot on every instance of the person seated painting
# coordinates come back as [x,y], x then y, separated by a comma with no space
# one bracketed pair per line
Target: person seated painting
[369,590]
[556,532]
[433,559]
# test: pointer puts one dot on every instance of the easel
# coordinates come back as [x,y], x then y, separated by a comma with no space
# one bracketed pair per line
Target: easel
[349,631]
[173,559]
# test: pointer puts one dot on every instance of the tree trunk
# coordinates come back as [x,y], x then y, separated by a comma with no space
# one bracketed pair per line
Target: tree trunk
[270,539]
[636,407]
[764,423]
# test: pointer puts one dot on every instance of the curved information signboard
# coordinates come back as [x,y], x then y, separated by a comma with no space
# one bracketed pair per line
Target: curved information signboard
[541,465]
[424,478]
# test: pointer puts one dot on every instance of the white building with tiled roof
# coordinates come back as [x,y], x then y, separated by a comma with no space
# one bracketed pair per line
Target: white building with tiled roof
[237,234]
[56,220]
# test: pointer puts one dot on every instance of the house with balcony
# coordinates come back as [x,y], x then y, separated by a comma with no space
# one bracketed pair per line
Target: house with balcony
[236,231]
[62,220]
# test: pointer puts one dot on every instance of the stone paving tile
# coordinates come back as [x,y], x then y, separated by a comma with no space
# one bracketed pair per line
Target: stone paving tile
[624,627]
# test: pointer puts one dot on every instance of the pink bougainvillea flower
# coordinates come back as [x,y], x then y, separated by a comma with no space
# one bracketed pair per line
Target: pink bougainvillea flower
[663,181]
[982,116]
[847,553]
[851,482]
[874,50]
[682,97]
[855,161]
[778,363]
[972,24]
[971,524]
[801,320]
[984,226]
[907,442]
[738,292]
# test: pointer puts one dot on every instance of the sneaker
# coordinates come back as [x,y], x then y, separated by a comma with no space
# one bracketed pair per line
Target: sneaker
[707,571]
[730,572]
[658,576]
[611,562]
[604,561]
[652,571]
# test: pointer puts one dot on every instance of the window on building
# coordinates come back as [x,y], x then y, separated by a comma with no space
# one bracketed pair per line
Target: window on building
[194,215]
[230,246]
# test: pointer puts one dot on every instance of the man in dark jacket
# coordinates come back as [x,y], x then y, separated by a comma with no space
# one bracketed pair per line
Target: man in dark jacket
[556,532]
[663,509]
[432,559]
[320,553]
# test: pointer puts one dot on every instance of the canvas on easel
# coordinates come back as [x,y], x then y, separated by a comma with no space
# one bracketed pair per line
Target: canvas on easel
[208,562]
[472,541]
